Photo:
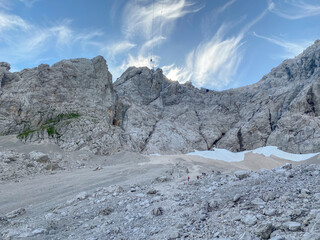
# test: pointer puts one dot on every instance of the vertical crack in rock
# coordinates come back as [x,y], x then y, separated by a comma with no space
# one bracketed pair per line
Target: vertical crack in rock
[240,141]
[200,129]
[271,124]
[151,133]
[216,141]
[310,101]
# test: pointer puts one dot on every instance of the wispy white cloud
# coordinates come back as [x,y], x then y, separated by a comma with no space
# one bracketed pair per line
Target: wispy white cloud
[294,9]
[150,23]
[11,22]
[154,18]
[114,49]
[29,3]
[215,62]
[177,73]
[150,44]
[22,41]
[290,48]
[212,63]
[226,6]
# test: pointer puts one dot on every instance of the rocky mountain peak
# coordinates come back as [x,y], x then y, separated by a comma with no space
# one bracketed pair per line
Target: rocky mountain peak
[5,66]
[143,84]
[146,112]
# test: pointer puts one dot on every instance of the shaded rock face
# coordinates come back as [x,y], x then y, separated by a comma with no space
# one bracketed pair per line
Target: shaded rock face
[144,111]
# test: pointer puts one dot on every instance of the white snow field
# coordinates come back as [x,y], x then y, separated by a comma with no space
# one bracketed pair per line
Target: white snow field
[227,156]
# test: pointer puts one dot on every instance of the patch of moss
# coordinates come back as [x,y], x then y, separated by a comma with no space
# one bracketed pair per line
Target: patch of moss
[25,134]
[49,126]
[52,132]
[63,116]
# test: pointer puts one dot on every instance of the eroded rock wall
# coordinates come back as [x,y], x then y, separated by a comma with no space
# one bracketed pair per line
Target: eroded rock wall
[75,103]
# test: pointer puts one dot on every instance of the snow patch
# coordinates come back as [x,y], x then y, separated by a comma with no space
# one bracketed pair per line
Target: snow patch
[227,156]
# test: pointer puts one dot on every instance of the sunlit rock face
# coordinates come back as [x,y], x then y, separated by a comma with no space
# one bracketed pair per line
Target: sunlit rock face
[75,103]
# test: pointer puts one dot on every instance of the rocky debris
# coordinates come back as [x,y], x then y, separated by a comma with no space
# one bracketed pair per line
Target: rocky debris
[15,166]
[75,104]
[39,157]
[15,213]
[242,174]
[177,209]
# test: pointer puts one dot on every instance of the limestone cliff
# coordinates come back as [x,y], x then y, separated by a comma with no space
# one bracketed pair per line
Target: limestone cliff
[75,103]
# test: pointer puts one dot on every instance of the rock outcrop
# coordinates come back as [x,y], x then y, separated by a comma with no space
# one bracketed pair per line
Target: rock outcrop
[282,109]
[75,103]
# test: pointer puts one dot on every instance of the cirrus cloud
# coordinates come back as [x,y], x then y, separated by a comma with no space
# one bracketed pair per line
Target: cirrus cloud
[294,9]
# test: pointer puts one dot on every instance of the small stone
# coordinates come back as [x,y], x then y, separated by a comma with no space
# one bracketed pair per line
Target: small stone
[242,174]
[162,179]
[38,231]
[82,196]
[268,196]
[269,212]
[16,213]
[174,235]
[249,220]
[258,201]
[157,211]
[203,217]
[106,211]
[236,197]
[264,230]
[152,191]
[292,226]
[305,191]
[288,166]
[52,167]
[30,164]
[116,230]
[39,157]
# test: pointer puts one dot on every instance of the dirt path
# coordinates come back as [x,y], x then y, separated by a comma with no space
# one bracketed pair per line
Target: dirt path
[43,192]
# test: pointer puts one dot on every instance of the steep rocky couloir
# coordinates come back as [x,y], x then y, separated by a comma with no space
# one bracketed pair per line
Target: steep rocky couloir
[75,103]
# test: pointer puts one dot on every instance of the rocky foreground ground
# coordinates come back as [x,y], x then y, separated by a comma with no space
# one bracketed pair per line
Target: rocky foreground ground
[282,203]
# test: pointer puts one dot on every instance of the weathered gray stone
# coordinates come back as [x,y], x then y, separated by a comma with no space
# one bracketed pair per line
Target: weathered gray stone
[143,111]
[264,230]
[39,157]
[157,211]
[242,174]
[249,220]
[16,213]
[292,226]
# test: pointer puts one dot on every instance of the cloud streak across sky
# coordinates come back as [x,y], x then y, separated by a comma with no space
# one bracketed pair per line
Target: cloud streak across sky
[295,9]
[291,49]
[23,41]
[153,22]
[214,63]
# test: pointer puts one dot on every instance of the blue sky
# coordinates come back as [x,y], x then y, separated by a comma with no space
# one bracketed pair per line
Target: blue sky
[216,44]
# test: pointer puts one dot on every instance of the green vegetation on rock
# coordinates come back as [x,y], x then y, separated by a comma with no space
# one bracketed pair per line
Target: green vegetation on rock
[50,126]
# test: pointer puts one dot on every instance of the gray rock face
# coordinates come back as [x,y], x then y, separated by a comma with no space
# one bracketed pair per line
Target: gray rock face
[282,109]
[75,103]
